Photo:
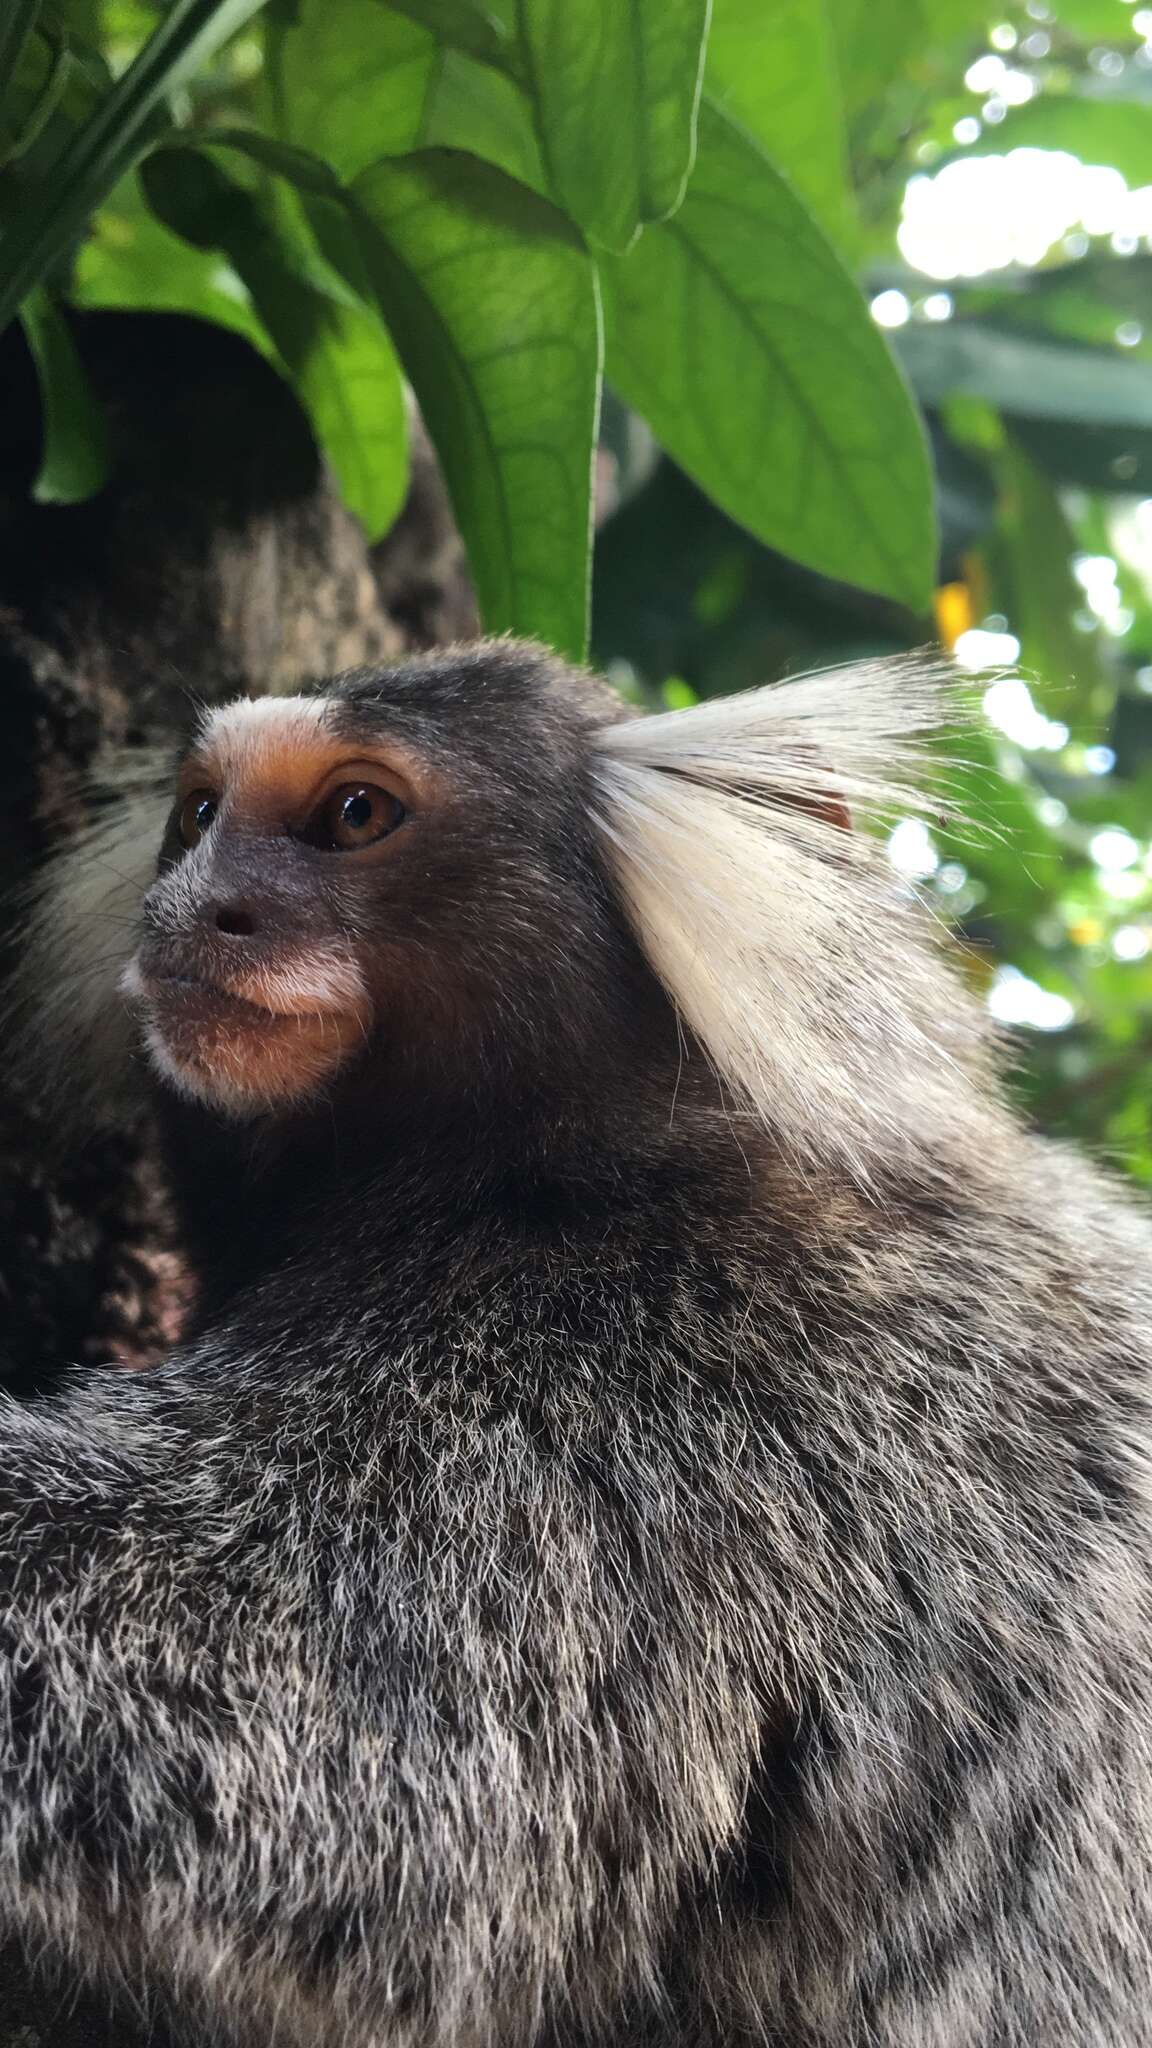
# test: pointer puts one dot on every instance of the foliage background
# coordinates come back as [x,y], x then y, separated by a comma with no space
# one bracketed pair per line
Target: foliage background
[879,234]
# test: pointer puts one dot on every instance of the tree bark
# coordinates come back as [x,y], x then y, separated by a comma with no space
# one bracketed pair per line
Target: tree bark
[218,561]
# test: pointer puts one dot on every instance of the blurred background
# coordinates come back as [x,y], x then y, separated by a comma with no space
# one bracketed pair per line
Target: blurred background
[1000,184]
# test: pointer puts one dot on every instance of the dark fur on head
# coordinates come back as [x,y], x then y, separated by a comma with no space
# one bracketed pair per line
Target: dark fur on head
[506,979]
[515,1026]
[649,1537]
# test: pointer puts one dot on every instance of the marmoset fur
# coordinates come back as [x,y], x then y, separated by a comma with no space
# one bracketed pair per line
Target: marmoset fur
[648,1536]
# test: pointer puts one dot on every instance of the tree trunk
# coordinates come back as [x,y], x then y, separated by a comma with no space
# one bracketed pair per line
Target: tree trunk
[218,561]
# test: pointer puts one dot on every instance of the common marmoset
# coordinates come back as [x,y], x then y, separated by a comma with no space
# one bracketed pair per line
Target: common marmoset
[647,1538]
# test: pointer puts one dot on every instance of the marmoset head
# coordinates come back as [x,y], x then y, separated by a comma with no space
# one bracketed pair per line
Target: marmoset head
[472,876]
[396,872]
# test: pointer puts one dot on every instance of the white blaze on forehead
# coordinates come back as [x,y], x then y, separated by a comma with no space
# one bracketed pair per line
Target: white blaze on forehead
[258,735]
[251,716]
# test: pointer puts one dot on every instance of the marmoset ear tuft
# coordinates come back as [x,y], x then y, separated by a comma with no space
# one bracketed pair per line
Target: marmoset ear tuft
[787,943]
[68,1032]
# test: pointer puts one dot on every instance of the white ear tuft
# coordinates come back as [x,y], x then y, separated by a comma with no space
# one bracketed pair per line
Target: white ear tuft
[67,1025]
[787,944]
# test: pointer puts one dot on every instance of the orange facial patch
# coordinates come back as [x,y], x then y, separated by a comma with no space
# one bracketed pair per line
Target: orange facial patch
[263,752]
[268,759]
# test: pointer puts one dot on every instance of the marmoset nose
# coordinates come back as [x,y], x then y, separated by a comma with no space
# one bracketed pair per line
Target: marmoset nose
[235,920]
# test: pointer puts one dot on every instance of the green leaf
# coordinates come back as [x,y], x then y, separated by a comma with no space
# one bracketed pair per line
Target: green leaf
[337,354]
[1024,373]
[107,145]
[357,95]
[617,84]
[737,333]
[464,24]
[298,166]
[129,260]
[33,81]
[491,299]
[74,454]
[465,98]
[470,106]
[774,71]
[17,20]
[385,87]
[54,81]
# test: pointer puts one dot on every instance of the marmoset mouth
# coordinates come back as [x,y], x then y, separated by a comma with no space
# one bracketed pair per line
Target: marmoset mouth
[235,1052]
[182,989]
[250,1009]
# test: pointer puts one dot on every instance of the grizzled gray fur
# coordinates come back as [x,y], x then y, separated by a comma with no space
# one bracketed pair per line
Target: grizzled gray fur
[647,1539]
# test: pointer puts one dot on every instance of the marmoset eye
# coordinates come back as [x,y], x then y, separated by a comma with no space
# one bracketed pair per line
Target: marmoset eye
[356,814]
[196,815]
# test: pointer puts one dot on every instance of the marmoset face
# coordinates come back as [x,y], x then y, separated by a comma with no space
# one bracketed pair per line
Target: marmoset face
[250,975]
[399,865]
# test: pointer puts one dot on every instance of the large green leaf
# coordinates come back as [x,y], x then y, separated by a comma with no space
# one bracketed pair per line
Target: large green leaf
[738,334]
[774,71]
[74,449]
[471,106]
[464,25]
[616,85]
[130,261]
[357,95]
[337,354]
[325,202]
[109,142]
[1023,373]
[386,87]
[491,299]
